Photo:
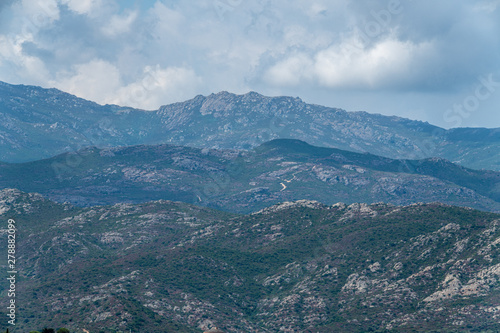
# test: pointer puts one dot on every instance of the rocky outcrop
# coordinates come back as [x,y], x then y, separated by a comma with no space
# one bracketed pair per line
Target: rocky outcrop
[294,267]
[38,123]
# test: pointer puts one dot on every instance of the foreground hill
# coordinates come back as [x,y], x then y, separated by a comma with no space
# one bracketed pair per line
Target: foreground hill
[294,267]
[236,181]
[39,123]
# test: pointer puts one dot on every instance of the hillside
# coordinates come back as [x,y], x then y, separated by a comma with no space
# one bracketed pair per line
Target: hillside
[295,267]
[39,123]
[243,181]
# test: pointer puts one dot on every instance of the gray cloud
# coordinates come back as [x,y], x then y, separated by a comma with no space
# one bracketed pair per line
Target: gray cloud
[410,58]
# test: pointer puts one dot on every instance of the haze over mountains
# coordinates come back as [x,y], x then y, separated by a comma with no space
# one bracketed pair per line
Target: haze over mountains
[39,123]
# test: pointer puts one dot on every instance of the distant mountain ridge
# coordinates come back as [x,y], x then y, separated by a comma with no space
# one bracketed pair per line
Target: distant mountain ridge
[244,181]
[39,123]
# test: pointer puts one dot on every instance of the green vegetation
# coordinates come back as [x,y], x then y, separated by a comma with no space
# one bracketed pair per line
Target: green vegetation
[164,266]
[276,171]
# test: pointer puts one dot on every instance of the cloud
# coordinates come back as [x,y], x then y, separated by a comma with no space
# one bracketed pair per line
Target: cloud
[23,68]
[95,80]
[388,64]
[24,19]
[105,50]
[291,71]
[488,5]
[83,6]
[102,82]
[40,12]
[168,22]
[119,24]
[400,47]
[158,86]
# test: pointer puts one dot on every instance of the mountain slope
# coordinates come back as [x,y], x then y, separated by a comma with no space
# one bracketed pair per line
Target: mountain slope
[243,181]
[294,267]
[39,123]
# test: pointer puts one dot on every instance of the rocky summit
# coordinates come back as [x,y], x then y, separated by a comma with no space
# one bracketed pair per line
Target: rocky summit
[39,123]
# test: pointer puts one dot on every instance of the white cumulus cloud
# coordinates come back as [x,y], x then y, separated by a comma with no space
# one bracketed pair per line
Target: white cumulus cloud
[97,80]
[159,86]
[82,6]
[102,82]
[389,63]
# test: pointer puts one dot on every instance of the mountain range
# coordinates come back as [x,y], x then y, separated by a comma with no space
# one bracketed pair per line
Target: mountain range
[37,123]
[244,181]
[247,213]
[294,267]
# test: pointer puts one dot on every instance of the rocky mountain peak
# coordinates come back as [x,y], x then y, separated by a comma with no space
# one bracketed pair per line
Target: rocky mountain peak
[13,200]
[291,205]
[33,117]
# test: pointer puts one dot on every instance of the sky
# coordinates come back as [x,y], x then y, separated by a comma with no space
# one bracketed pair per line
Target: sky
[435,61]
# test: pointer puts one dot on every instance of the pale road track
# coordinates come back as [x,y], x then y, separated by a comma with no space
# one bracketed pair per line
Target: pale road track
[288,181]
